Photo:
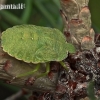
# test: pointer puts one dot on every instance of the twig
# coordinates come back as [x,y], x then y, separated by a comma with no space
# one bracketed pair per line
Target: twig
[16,95]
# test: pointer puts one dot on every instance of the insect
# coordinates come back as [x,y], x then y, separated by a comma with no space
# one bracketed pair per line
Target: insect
[35,44]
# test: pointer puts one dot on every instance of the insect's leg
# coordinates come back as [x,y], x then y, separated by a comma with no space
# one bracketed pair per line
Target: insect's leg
[30,72]
[47,70]
[64,65]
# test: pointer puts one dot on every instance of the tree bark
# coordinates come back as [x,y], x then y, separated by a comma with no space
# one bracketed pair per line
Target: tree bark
[77,23]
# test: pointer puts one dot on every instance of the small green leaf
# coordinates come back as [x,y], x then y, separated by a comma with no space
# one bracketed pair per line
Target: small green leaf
[91,92]
[71,48]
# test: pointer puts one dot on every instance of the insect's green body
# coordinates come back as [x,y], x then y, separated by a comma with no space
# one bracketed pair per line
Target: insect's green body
[35,44]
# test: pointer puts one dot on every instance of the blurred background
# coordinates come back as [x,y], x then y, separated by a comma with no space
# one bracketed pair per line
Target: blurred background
[42,13]
[38,12]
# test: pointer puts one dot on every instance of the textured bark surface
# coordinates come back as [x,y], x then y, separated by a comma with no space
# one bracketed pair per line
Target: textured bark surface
[77,23]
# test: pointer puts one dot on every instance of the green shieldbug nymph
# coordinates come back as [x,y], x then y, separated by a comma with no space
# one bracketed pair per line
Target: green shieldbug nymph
[35,44]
